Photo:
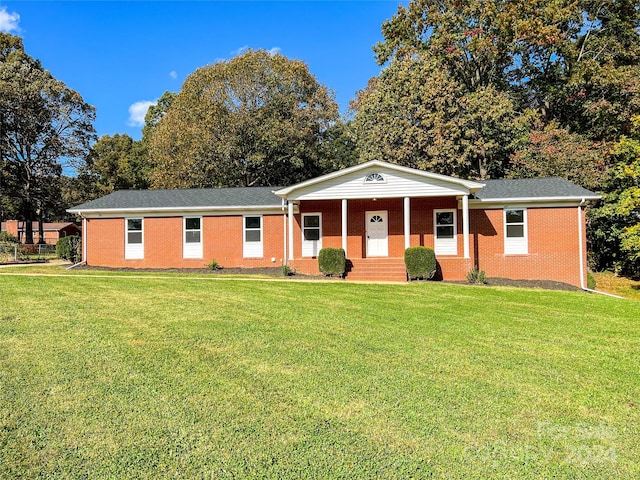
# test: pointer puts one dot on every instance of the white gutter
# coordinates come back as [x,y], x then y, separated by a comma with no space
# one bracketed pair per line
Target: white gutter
[581,253]
[285,260]
[173,209]
[488,201]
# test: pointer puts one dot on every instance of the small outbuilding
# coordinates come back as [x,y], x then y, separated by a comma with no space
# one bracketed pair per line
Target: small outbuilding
[52,231]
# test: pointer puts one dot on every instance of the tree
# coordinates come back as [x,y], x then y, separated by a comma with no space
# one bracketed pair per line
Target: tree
[43,124]
[418,115]
[615,224]
[337,147]
[552,151]
[155,113]
[115,163]
[256,119]
[572,73]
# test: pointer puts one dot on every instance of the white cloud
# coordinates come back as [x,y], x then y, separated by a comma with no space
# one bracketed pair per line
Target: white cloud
[240,50]
[8,21]
[274,51]
[137,112]
[173,74]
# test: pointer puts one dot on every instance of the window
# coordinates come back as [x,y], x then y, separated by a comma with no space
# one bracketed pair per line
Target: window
[134,246]
[445,240]
[374,178]
[252,237]
[192,246]
[311,234]
[515,231]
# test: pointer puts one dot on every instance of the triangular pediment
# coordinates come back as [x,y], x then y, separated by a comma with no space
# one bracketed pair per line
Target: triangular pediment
[376,179]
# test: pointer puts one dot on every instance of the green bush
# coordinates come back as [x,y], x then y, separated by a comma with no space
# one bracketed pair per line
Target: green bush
[591,281]
[332,261]
[69,248]
[477,276]
[287,271]
[214,265]
[420,262]
[6,237]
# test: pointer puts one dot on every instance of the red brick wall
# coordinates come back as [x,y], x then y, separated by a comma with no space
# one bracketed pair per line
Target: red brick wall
[552,233]
[12,227]
[552,238]
[553,245]
[222,241]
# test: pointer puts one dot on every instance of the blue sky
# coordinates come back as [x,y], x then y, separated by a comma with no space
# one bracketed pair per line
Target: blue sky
[121,55]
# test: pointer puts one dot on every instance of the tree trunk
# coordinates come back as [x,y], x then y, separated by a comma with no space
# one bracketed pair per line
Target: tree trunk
[28,220]
[41,239]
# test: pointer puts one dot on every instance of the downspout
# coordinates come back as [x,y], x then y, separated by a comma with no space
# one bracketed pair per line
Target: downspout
[284,233]
[581,253]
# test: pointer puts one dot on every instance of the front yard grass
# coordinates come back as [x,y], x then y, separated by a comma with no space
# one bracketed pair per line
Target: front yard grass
[183,377]
[622,286]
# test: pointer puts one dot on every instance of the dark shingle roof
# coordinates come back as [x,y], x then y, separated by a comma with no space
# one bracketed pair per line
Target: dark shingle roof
[532,188]
[187,198]
[220,198]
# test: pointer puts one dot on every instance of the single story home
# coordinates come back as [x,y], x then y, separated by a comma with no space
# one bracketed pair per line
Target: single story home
[52,231]
[531,229]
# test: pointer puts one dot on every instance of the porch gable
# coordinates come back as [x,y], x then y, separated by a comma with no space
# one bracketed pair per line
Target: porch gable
[376,179]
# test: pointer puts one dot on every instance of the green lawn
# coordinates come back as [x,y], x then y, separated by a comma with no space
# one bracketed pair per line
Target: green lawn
[184,377]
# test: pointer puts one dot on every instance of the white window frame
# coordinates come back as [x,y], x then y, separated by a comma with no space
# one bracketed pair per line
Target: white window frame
[133,251]
[252,249]
[516,245]
[311,248]
[191,249]
[445,246]
[374,178]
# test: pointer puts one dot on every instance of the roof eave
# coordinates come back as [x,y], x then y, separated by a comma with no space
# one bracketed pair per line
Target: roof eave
[240,208]
[558,199]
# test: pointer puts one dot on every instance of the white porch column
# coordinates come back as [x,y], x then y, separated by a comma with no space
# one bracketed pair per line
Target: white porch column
[344,226]
[290,212]
[465,225]
[407,222]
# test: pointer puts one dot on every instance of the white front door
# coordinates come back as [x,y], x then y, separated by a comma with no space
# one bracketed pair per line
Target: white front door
[377,234]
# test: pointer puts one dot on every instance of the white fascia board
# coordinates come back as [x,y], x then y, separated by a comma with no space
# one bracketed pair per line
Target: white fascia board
[176,211]
[467,184]
[530,202]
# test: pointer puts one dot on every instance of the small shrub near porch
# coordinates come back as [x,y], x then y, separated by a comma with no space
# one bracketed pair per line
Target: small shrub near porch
[420,262]
[332,261]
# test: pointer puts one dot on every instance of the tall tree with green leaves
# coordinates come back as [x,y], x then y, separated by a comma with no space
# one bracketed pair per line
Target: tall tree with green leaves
[571,70]
[44,123]
[256,119]
[615,224]
[115,163]
[419,115]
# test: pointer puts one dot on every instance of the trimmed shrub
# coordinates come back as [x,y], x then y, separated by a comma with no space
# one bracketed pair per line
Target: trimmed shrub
[420,262]
[69,248]
[332,261]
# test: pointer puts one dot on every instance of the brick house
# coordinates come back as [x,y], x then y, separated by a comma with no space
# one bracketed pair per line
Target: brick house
[52,231]
[520,229]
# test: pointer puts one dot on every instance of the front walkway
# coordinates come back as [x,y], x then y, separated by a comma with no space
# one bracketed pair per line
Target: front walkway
[51,263]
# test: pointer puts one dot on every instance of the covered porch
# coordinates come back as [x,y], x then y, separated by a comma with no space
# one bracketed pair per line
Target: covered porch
[374,212]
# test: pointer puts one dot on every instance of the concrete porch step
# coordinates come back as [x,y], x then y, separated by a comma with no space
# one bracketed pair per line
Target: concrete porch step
[377,269]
